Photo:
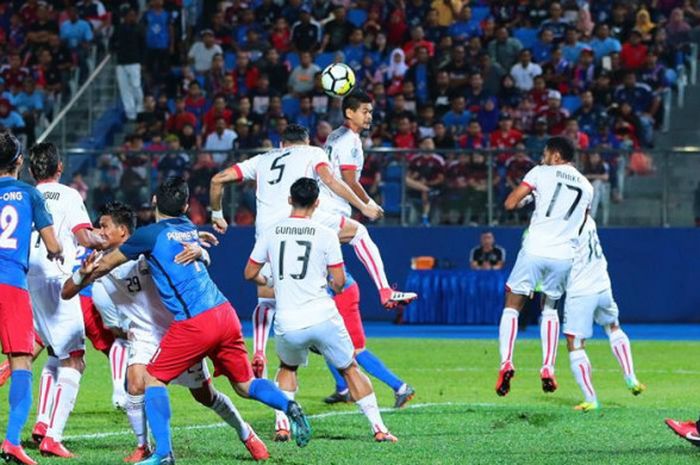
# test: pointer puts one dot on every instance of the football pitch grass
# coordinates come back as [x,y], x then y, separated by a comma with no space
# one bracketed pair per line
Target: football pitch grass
[456,417]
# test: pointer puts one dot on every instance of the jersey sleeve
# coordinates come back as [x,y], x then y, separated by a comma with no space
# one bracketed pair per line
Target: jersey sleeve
[530,179]
[248,169]
[347,154]
[40,214]
[260,254]
[334,256]
[78,216]
[142,242]
[319,159]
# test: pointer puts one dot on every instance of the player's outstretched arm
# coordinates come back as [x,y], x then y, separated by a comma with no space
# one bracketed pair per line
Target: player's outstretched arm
[89,239]
[216,194]
[252,273]
[515,197]
[54,248]
[93,268]
[340,188]
[337,281]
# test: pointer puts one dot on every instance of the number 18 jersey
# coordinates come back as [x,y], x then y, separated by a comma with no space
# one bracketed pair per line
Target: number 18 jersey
[562,198]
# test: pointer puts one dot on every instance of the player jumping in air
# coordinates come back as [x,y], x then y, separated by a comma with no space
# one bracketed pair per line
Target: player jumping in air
[301,253]
[205,324]
[562,197]
[22,207]
[59,322]
[589,299]
[135,298]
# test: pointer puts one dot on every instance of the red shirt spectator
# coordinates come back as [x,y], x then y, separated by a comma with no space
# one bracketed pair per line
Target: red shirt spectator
[555,115]
[180,118]
[474,138]
[517,167]
[572,131]
[245,75]
[405,138]
[634,52]
[397,27]
[218,110]
[14,73]
[281,37]
[457,172]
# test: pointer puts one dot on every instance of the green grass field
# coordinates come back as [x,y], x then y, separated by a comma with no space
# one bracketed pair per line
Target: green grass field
[456,417]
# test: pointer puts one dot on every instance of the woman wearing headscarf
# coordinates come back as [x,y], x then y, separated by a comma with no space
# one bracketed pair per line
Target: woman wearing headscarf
[395,71]
[677,28]
[644,25]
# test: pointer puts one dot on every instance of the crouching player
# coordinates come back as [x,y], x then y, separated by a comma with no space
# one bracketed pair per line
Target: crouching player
[589,299]
[301,253]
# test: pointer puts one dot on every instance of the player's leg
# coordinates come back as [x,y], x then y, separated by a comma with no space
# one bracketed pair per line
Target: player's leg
[688,430]
[47,389]
[136,410]
[118,358]
[17,337]
[367,251]
[287,381]
[581,369]
[6,371]
[263,316]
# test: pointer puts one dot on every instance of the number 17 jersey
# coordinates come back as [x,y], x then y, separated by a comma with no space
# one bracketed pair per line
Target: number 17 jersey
[562,198]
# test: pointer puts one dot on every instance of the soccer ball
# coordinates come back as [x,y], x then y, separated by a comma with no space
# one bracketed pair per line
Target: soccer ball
[337,79]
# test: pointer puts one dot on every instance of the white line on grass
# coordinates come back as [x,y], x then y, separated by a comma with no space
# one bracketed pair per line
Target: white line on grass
[83,437]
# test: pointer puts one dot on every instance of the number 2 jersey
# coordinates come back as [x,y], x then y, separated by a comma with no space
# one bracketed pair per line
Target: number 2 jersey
[299,251]
[562,199]
[589,274]
[344,149]
[21,208]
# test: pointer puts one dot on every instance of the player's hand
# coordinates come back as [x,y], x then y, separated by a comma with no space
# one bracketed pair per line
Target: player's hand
[190,254]
[372,211]
[58,256]
[220,225]
[207,239]
[89,264]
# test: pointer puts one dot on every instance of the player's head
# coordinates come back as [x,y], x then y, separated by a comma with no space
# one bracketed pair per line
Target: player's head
[117,223]
[357,110]
[303,195]
[295,134]
[559,150]
[171,197]
[11,157]
[45,161]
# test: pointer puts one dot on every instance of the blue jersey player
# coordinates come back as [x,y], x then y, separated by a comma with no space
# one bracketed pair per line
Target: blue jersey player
[205,324]
[22,208]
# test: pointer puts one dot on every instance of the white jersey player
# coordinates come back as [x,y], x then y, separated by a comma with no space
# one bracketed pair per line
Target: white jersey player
[137,305]
[562,197]
[59,323]
[301,253]
[589,300]
[274,173]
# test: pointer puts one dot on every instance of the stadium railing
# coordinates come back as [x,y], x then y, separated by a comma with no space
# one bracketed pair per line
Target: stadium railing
[649,188]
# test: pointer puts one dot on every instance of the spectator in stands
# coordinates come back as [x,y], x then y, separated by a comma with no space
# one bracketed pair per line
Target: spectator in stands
[30,104]
[677,29]
[246,139]
[572,47]
[555,23]
[554,114]
[202,52]
[180,117]
[457,119]
[590,115]
[425,177]
[48,77]
[654,74]
[447,11]
[218,110]
[150,120]
[633,52]
[602,44]
[457,69]
[456,196]
[221,140]
[443,139]
[127,44]
[474,138]
[63,60]
[160,42]
[476,96]
[281,36]
[77,34]
[489,114]
[583,73]
[542,48]
[266,13]
[337,31]
[215,76]
[306,33]
[96,14]
[301,80]
[597,171]
[307,117]
[492,73]
[10,119]
[245,74]
[395,71]
[464,28]
[572,131]
[223,34]
[421,74]
[275,70]
[478,173]
[417,41]
[644,103]
[404,137]
[505,137]
[355,50]
[196,102]
[174,163]
[509,96]
[525,71]
[40,30]
[488,255]
[504,50]
[189,140]
[644,25]
[536,142]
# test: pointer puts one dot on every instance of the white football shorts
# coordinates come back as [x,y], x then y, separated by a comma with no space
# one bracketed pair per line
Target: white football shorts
[330,338]
[530,270]
[580,312]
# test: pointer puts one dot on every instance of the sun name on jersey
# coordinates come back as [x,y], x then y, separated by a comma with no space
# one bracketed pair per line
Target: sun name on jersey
[183,236]
[14,195]
[296,230]
[48,195]
[567,176]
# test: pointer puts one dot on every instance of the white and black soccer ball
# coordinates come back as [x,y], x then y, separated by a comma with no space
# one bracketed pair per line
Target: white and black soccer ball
[337,79]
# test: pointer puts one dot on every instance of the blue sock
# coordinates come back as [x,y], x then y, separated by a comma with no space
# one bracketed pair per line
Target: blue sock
[340,384]
[376,368]
[158,415]
[20,403]
[265,391]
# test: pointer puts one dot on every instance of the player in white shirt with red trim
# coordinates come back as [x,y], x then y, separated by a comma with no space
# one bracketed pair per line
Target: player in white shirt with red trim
[301,253]
[562,197]
[59,323]
[136,304]
[589,300]
[275,172]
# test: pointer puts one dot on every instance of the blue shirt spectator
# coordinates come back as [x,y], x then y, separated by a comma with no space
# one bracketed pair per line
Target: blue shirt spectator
[29,100]
[465,27]
[157,29]
[603,45]
[9,118]
[638,95]
[457,119]
[75,31]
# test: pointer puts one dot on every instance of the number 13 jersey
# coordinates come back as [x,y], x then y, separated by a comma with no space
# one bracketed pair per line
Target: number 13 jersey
[562,198]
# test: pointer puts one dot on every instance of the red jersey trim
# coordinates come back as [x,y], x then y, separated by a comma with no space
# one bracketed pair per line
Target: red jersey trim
[323,163]
[337,265]
[238,171]
[80,226]
[532,188]
[254,262]
[348,168]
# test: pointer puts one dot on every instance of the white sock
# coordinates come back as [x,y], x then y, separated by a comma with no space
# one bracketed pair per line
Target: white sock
[620,345]
[227,411]
[368,253]
[368,406]
[118,363]
[507,333]
[47,390]
[67,386]
[262,317]
[581,368]
[135,411]
[549,335]
[281,420]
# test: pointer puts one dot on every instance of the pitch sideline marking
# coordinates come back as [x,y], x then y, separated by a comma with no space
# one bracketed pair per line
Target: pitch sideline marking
[83,437]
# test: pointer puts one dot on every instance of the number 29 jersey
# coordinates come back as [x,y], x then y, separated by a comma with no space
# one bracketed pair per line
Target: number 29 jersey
[562,198]
[299,251]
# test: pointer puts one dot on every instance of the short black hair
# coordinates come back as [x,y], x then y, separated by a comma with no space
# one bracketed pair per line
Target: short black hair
[304,192]
[44,160]
[10,151]
[563,145]
[295,133]
[354,99]
[121,214]
[172,196]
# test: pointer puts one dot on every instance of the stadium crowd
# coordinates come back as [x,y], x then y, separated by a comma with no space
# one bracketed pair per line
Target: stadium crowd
[444,74]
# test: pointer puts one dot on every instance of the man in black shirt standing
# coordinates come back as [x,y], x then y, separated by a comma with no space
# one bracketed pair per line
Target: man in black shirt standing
[336,32]
[488,256]
[306,33]
[128,42]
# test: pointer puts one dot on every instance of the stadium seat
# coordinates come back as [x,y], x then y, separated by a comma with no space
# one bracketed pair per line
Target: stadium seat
[293,59]
[480,13]
[229,61]
[526,36]
[393,173]
[357,16]
[391,191]
[324,59]
[290,106]
[571,103]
